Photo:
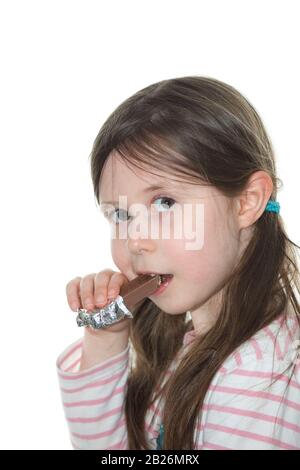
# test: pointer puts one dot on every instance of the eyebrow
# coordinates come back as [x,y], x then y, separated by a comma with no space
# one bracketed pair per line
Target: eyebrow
[153,187]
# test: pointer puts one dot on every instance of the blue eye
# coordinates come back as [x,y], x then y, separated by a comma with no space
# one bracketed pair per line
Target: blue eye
[122,211]
[165,199]
[118,211]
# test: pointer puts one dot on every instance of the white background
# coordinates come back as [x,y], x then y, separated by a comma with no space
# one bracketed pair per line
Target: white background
[65,66]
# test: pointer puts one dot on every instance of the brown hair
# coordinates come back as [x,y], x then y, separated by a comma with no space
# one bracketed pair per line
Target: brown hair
[202,130]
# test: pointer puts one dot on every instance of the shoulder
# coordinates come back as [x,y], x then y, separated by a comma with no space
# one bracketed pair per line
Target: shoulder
[273,348]
[253,400]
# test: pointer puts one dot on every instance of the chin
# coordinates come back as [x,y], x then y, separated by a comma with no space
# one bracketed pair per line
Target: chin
[175,310]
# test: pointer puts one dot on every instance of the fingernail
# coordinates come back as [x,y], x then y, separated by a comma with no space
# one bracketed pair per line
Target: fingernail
[100,299]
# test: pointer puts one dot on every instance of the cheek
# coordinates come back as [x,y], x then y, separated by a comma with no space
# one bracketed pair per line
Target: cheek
[118,253]
[214,260]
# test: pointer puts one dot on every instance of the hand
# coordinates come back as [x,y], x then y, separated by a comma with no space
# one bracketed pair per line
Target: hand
[85,293]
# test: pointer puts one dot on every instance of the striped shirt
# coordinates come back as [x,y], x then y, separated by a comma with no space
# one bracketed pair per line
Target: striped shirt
[242,409]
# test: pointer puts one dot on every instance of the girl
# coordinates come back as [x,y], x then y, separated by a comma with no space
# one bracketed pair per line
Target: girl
[210,362]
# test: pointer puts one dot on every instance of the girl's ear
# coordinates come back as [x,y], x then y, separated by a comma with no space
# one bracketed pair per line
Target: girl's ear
[252,202]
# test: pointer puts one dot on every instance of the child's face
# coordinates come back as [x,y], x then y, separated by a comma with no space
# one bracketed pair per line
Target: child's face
[199,273]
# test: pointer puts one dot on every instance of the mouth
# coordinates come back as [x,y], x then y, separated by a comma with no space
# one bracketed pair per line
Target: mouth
[163,277]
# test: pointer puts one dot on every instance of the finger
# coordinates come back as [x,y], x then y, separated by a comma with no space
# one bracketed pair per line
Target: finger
[101,282]
[87,291]
[116,282]
[72,291]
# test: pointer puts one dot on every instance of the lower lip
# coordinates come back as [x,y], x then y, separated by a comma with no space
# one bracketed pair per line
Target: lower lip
[163,286]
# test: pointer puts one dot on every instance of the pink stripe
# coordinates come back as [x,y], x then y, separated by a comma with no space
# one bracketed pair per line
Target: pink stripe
[237,357]
[270,333]
[250,393]
[94,402]
[287,344]
[265,375]
[95,419]
[122,445]
[168,373]
[152,432]
[280,320]
[100,435]
[156,411]
[253,414]
[150,429]
[64,358]
[73,365]
[189,337]
[107,365]
[250,435]
[256,348]
[289,338]
[98,383]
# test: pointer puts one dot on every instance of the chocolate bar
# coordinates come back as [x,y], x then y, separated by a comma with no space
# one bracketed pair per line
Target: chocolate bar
[118,309]
[139,288]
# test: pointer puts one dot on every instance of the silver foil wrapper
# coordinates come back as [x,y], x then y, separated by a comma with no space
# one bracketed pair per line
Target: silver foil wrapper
[100,318]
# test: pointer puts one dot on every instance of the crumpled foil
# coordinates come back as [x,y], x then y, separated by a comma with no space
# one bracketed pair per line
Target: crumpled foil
[99,318]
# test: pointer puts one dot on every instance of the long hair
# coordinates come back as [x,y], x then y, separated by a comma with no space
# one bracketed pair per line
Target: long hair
[199,129]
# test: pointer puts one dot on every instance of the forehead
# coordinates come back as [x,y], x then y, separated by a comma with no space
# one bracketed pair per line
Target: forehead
[119,177]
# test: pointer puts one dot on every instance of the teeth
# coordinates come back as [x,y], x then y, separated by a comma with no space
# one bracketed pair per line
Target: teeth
[162,277]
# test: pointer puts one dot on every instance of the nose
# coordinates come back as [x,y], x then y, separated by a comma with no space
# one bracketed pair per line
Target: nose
[139,236]
[140,245]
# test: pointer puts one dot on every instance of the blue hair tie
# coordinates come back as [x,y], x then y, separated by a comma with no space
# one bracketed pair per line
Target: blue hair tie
[159,440]
[273,206]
